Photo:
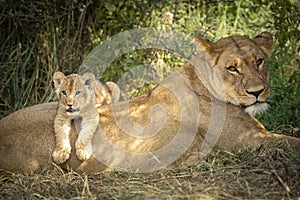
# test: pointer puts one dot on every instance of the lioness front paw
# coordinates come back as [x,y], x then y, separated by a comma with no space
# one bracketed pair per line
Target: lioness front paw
[83,152]
[61,155]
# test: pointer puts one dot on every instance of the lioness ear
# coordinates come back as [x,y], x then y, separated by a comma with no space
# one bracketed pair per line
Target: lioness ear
[88,80]
[205,44]
[265,42]
[58,78]
[115,91]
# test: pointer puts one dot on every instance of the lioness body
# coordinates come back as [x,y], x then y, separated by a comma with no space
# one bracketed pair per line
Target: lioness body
[187,114]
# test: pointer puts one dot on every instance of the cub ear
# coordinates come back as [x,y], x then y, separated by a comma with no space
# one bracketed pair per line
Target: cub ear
[205,44]
[115,91]
[88,80]
[58,78]
[265,42]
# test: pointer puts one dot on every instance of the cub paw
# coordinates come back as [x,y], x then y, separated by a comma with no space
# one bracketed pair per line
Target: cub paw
[83,152]
[61,155]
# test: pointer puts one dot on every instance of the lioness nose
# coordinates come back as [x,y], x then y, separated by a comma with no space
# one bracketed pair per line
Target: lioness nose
[255,93]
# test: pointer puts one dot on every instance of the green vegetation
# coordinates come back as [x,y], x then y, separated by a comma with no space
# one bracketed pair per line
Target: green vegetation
[285,70]
[40,38]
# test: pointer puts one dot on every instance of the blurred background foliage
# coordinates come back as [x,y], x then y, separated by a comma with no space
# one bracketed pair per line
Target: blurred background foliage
[38,38]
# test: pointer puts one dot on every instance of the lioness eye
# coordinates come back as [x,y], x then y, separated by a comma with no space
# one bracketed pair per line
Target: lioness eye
[77,93]
[232,69]
[259,62]
[64,93]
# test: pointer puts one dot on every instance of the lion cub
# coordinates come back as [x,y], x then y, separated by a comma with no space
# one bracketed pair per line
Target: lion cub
[78,98]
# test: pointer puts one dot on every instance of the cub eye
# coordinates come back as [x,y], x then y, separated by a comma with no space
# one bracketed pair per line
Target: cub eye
[232,69]
[64,93]
[77,93]
[259,62]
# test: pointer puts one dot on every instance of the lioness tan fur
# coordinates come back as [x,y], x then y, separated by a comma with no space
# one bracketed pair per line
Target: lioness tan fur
[78,98]
[203,105]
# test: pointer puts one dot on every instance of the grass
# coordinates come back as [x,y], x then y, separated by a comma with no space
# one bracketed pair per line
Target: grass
[268,172]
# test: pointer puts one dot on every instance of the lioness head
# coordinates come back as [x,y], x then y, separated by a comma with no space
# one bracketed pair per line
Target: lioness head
[74,92]
[241,64]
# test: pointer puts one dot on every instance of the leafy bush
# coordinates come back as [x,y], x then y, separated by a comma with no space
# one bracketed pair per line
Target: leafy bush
[284,113]
[40,38]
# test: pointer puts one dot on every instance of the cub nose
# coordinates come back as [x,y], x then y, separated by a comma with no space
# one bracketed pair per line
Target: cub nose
[255,93]
[70,105]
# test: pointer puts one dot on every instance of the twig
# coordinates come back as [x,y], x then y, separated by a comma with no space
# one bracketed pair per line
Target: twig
[286,187]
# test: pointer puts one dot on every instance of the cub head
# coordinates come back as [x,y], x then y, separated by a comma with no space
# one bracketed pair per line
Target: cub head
[239,65]
[74,92]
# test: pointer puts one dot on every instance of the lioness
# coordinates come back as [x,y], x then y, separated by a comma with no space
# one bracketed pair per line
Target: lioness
[204,104]
[78,98]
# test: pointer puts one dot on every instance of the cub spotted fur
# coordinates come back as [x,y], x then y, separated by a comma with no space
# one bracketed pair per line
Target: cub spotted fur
[78,98]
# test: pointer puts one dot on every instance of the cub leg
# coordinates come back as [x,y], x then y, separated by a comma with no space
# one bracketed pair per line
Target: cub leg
[62,149]
[83,143]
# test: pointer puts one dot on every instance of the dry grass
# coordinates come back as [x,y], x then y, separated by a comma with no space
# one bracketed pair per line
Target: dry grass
[271,172]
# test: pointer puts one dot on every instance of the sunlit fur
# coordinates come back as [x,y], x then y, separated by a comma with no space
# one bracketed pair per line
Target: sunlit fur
[240,67]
